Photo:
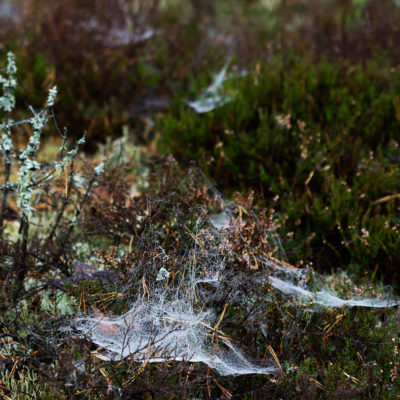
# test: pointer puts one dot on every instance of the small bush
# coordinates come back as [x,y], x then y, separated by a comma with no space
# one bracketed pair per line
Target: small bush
[319,143]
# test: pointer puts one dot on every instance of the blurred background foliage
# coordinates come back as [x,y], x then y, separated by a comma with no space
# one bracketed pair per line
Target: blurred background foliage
[116,61]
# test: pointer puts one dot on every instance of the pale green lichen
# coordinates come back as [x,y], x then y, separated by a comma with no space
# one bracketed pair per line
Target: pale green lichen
[31,175]
[9,84]
[99,169]
[23,384]
[162,274]
[58,303]
[61,165]
[6,143]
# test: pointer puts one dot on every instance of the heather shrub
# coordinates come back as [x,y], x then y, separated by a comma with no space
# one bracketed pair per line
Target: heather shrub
[138,278]
[319,143]
[155,48]
[135,249]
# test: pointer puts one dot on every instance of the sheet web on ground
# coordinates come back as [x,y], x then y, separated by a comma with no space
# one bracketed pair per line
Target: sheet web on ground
[174,315]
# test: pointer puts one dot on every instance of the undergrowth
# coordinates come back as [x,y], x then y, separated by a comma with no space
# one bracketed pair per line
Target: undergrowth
[319,143]
[156,47]
[129,238]
[310,140]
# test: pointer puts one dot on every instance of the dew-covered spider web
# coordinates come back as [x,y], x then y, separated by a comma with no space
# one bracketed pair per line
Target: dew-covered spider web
[195,265]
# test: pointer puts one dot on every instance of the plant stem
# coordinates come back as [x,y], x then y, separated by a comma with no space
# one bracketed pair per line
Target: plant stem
[6,182]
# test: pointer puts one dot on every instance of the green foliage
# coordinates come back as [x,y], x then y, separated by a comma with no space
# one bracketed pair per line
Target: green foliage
[319,141]
[314,131]
[25,384]
[324,353]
